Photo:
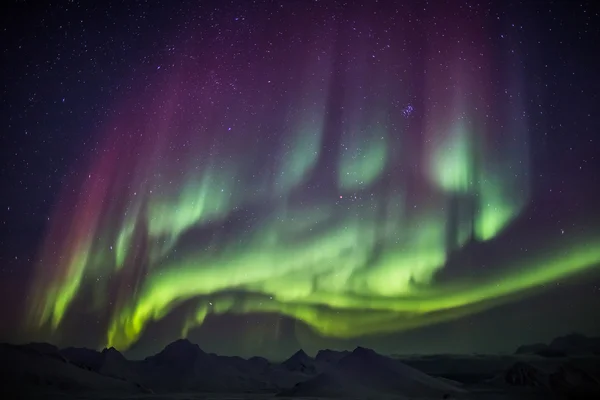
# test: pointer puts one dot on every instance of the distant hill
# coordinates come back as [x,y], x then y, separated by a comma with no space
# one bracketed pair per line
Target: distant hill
[37,370]
[366,373]
[574,344]
[300,362]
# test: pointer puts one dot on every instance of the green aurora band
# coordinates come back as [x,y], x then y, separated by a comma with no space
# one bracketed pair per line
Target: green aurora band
[349,239]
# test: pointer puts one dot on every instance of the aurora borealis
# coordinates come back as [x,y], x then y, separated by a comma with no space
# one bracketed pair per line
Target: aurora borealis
[364,170]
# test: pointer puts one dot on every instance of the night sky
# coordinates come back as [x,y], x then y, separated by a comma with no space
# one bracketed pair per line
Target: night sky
[260,176]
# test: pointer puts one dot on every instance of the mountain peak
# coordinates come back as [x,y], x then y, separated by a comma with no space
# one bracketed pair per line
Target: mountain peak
[111,352]
[364,352]
[360,355]
[300,361]
[181,350]
[182,344]
[299,355]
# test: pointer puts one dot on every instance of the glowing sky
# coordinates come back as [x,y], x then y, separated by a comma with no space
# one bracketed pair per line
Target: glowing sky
[334,173]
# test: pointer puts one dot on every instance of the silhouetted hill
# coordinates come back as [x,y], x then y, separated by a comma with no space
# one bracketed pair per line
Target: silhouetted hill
[28,372]
[364,372]
[300,362]
[531,348]
[180,353]
[524,374]
[44,348]
[574,344]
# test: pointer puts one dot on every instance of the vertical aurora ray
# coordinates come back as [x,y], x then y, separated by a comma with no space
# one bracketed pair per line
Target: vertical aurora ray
[305,191]
[299,157]
[483,164]
[452,161]
[362,159]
